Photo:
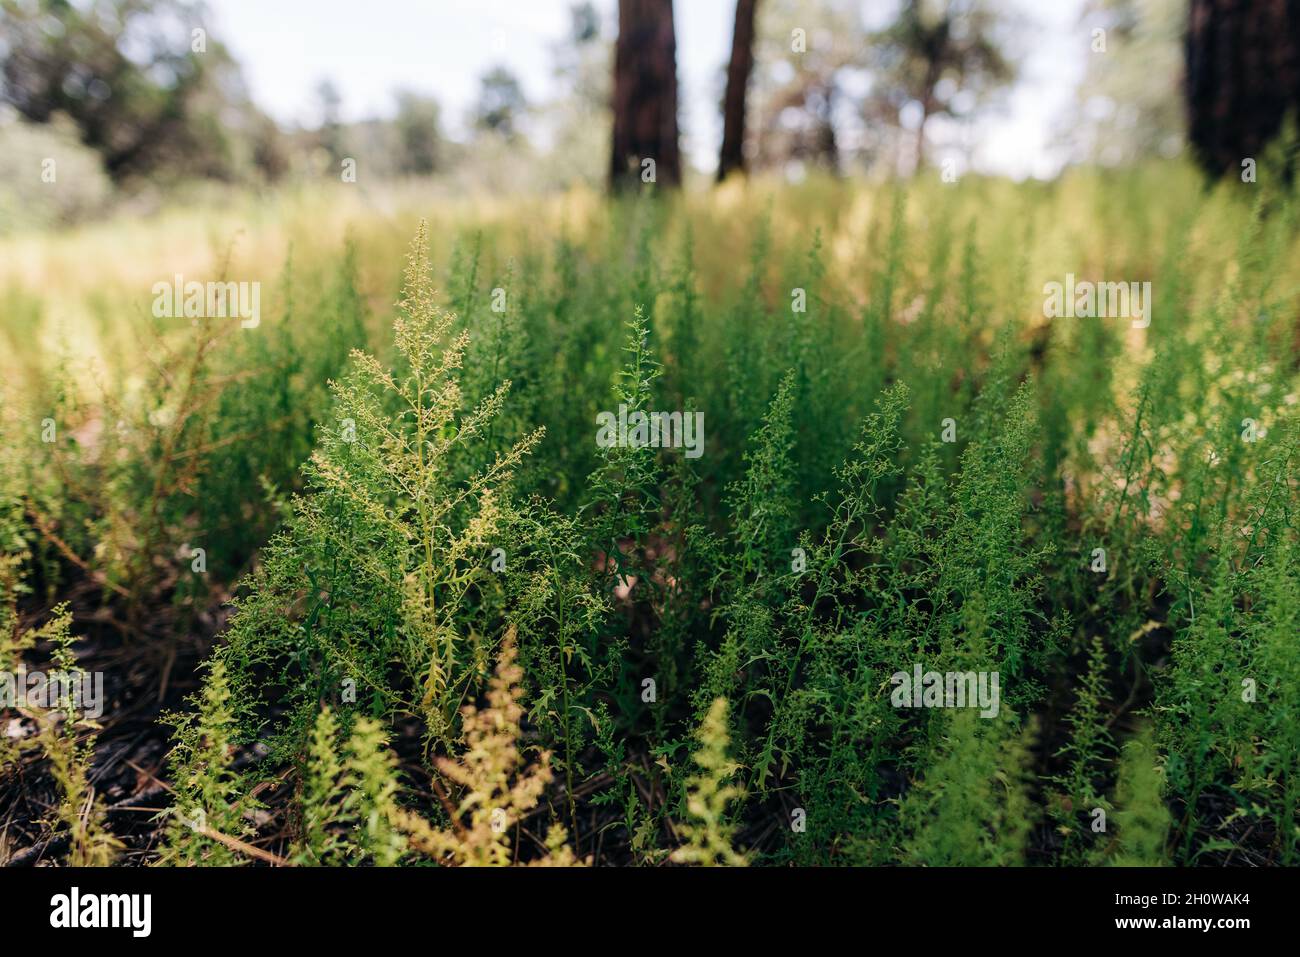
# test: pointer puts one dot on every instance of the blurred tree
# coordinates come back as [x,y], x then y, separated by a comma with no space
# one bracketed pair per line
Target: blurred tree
[270,148]
[84,188]
[501,103]
[584,23]
[731,157]
[330,134]
[645,94]
[142,81]
[579,117]
[1243,76]
[804,50]
[419,136]
[582,59]
[939,57]
[1130,103]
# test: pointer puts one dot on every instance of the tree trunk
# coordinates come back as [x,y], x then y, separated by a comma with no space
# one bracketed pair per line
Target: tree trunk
[645,95]
[732,155]
[1243,75]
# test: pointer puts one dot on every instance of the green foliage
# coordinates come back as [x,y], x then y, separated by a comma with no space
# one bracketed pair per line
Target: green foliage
[80,812]
[371,784]
[207,812]
[324,839]
[438,573]
[1141,819]
[1088,750]
[349,801]
[384,561]
[706,832]
[972,808]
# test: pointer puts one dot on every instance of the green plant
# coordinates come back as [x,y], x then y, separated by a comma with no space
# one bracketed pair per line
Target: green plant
[384,559]
[1141,818]
[324,839]
[205,823]
[80,812]
[908,462]
[972,807]
[494,790]
[1087,751]
[707,834]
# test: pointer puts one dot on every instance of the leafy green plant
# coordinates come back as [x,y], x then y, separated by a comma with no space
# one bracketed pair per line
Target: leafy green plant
[706,832]
[384,559]
[80,813]
[907,463]
[1141,819]
[206,822]
[972,808]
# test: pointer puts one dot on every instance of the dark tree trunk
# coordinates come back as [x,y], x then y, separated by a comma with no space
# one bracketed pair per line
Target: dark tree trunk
[1243,76]
[732,155]
[645,94]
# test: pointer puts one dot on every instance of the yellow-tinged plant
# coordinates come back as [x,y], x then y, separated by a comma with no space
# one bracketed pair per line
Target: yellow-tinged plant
[371,784]
[80,813]
[205,822]
[495,789]
[322,841]
[382,560]
[349,803]
[709,794]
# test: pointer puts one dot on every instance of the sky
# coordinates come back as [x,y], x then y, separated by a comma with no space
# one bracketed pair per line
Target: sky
[442,47]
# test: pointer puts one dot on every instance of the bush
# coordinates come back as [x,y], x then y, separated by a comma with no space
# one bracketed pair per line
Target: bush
[462,630]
